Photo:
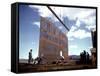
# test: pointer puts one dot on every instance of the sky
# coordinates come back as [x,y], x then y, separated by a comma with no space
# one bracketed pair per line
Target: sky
[80,21]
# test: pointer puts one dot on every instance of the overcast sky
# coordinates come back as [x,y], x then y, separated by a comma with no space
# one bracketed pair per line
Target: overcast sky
[80,21]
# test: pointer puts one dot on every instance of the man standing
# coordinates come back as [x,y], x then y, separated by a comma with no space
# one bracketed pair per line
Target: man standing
[30,56]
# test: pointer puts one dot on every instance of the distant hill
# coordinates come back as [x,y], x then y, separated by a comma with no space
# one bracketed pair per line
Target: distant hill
[23,60]
[74,57]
